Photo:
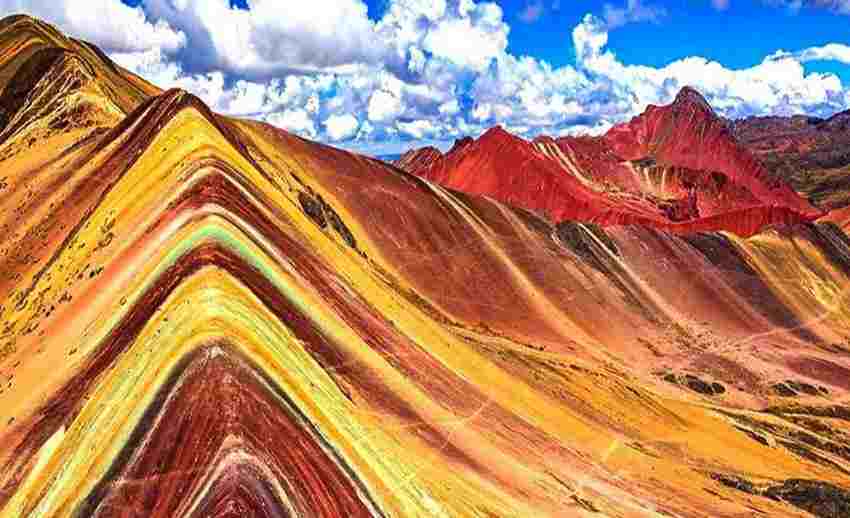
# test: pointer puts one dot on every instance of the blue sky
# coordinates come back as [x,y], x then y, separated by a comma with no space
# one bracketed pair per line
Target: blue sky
[380,76]
[738,37]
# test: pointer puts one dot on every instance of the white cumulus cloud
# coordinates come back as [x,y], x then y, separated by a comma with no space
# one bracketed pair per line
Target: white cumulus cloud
[341,127]
[384,106]
[296,121]
[272,37]
[829,52]
[427,70]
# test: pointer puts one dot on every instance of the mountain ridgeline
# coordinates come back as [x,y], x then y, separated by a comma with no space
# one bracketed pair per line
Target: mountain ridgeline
[678,167]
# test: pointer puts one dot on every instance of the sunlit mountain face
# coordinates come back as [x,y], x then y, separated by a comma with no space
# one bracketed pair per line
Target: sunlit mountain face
[209,316]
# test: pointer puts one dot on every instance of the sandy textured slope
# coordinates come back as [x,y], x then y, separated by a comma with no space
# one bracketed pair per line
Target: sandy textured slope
[211,317]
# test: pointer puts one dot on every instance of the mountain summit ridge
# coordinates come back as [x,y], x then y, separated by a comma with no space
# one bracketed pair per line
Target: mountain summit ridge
[676,167]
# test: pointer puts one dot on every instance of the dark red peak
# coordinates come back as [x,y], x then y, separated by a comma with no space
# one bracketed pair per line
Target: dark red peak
[419,156]
[495,130]
[461,143]
[569,139]
[497,135]
[690,98]
[419,159]
[422,151]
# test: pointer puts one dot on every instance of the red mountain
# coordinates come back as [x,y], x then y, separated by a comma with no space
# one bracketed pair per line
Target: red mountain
[688,136]
[419,159]
[676,167]
[511,169]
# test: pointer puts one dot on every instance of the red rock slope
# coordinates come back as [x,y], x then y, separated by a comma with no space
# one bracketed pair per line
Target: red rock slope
[675,167]
[418,159]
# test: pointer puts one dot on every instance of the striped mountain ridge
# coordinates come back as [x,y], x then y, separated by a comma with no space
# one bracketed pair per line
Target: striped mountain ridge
[205,316]
[54,87]
[22,38]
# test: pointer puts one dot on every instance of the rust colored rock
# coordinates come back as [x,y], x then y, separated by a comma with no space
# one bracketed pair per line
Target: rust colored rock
[674,167]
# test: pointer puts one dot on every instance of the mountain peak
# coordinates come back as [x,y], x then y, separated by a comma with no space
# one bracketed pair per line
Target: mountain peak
[41,71]
[461,143]
[496,130]
[689,96]
[20,18]
[23,23]
[417,159]
[499,135]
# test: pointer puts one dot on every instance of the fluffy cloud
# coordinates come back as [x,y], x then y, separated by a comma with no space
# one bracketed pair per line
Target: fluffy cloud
[468,44]
[427,71]
[830,52]
[779,84]
[418,129]
[445,72]
[384,106]
[341,127]
[458,32]
[450,108]
[296,121]
[273,37]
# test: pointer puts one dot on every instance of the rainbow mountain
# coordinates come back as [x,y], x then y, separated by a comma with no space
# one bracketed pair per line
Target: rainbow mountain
[203,316]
